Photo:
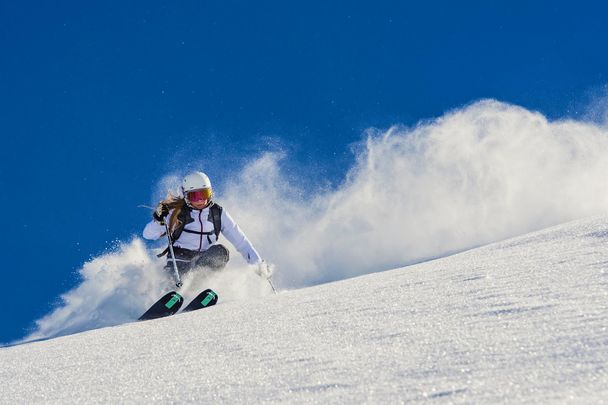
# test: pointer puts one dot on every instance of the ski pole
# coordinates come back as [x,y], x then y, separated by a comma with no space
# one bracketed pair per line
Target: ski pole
[270,282]
[179,280]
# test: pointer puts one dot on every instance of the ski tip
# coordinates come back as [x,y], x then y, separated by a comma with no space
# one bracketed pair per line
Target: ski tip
[168,305]
[205,299]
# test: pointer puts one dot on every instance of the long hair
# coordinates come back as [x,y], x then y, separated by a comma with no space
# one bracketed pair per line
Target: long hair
[177,205]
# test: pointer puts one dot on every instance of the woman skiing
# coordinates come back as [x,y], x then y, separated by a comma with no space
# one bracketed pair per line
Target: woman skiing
[195,222]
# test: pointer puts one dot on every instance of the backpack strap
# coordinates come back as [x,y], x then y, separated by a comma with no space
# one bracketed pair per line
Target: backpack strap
[215,217]
[183,218]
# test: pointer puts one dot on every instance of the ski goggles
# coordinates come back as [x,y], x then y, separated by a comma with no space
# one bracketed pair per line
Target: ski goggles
[199,195]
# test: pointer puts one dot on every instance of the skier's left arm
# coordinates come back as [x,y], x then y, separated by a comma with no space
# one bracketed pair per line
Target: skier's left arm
[235,235]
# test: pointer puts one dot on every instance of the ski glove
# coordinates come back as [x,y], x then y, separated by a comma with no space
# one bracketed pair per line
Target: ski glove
[160,213]
[263,269]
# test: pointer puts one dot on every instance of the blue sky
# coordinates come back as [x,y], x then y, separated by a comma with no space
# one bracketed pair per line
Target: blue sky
[99,101]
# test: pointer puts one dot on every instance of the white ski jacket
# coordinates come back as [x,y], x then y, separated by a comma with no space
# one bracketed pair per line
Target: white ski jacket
[200,242]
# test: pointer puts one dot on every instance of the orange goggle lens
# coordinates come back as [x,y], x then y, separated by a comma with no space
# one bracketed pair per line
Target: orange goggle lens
[199,195]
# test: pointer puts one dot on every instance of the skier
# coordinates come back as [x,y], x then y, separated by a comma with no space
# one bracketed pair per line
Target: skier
[195,222]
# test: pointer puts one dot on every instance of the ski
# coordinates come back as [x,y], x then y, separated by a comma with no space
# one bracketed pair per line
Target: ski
[168,305]
[171,302]
[205,299]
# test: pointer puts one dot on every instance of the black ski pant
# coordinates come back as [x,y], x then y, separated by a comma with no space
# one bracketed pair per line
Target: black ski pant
[215,258]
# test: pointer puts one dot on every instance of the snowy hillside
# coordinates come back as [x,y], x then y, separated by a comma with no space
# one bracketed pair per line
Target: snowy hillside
[519,321]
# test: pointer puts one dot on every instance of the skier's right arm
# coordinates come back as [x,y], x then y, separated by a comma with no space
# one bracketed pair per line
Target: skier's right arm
[155,228]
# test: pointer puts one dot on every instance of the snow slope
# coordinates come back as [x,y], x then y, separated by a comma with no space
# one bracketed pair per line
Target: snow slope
[524,320]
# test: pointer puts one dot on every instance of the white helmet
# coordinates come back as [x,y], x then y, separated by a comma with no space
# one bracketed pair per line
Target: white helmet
[195,181]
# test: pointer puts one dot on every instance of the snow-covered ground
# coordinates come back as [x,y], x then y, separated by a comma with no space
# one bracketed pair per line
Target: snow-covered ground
[520,321]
